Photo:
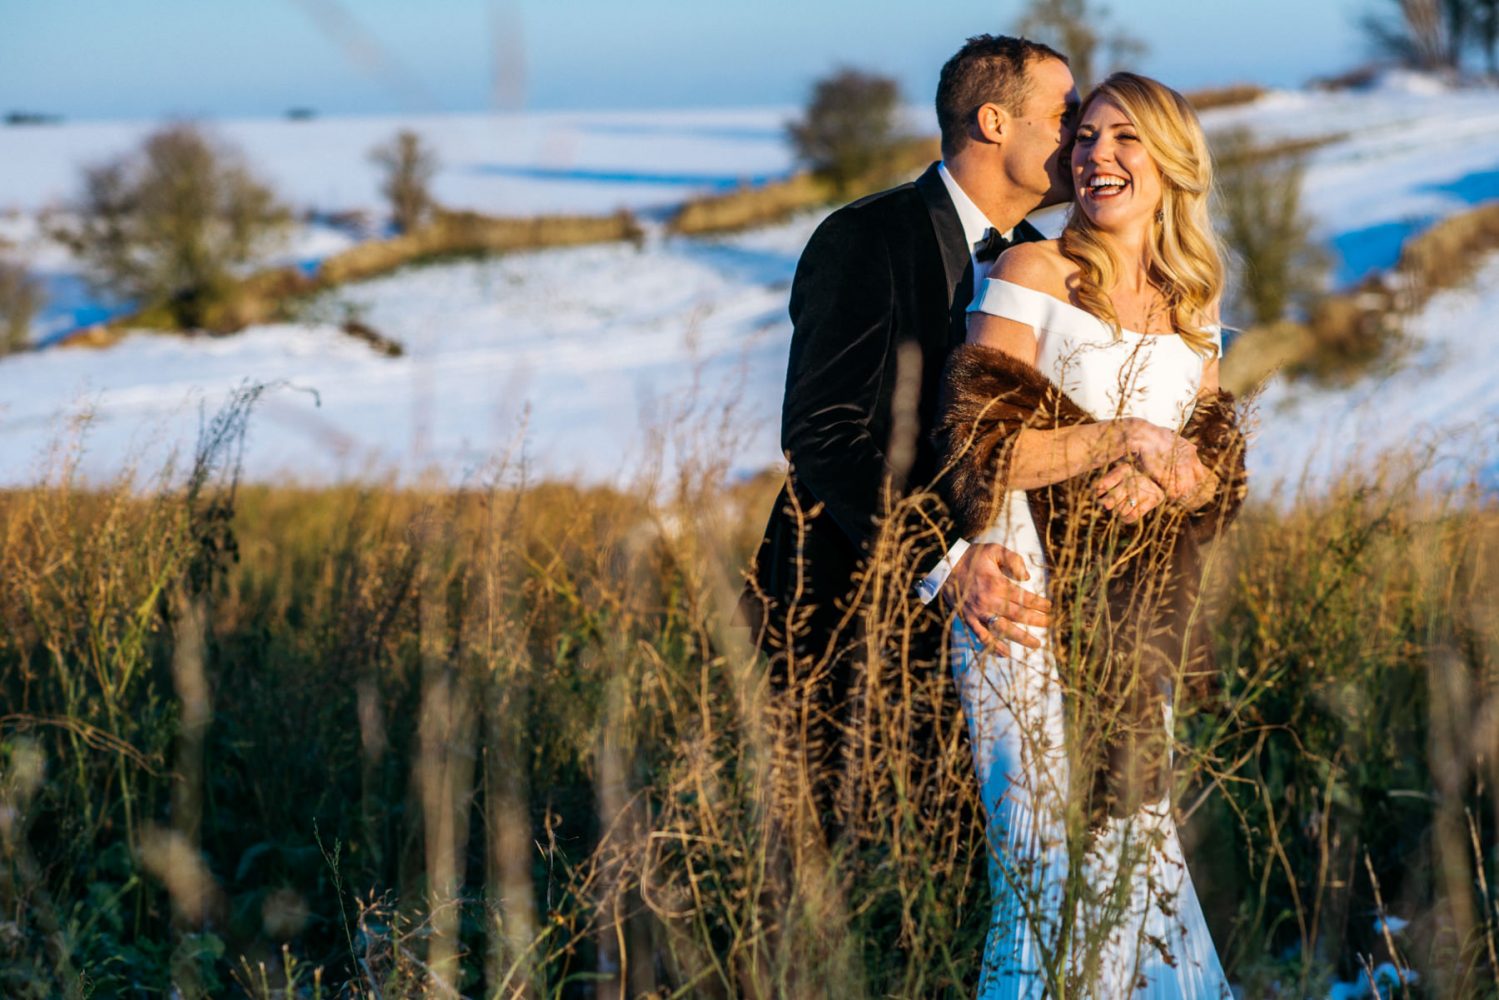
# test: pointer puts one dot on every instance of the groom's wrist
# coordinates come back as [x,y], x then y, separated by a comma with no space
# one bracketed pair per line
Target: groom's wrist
[931,585]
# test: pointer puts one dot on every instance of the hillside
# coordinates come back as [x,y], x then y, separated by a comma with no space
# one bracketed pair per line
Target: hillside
[571,352]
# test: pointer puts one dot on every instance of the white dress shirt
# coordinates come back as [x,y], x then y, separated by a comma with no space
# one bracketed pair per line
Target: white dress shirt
[976,226]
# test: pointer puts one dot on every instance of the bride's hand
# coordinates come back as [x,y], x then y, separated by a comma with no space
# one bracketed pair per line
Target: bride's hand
[1129,492]
[1168,458]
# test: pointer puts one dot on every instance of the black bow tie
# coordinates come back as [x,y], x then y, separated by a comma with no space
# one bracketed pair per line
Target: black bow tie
[992,245]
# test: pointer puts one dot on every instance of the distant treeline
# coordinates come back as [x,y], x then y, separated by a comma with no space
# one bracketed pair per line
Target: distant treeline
[31,118]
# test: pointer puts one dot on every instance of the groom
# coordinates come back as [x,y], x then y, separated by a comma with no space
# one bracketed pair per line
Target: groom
[878,301]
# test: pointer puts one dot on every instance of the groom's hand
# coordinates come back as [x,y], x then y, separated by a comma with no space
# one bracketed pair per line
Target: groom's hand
[984,587]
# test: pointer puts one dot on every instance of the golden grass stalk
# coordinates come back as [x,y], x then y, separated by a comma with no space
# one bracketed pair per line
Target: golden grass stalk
[538,754]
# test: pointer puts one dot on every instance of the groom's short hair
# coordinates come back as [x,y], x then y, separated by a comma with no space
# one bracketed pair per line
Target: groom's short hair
[988,69]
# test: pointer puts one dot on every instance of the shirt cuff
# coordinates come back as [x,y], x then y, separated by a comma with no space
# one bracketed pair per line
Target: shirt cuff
[929,585]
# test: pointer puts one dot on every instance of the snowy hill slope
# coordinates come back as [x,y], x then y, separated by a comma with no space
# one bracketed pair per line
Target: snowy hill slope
[503,164]
[583,347]
[1411,152]
[1438,407]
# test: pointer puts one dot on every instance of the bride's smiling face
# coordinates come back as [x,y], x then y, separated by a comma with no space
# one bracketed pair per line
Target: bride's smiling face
[1118,184]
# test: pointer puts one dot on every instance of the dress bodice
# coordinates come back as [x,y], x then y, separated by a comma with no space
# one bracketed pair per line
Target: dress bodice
[1154,377]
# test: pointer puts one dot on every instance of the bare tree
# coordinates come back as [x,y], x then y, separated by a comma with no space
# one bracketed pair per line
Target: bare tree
[850,122]
[1421,34]
[1081,31]
[20,298]
[407,165]
[169,225]
[1485,26]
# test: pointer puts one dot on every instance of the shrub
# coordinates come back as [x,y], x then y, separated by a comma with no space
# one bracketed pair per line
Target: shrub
[767,204]
[1279,274]
[19,300]
[169,225]
[1232,95]
[406,165]
[1278,266]
[1350,334]
[849,125]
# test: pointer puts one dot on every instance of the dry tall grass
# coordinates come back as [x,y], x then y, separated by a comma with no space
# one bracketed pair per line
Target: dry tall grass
[269,295]
[1227,96]
[1451,251]
[459,233]
[776,201]
[1364,325]
[505,741]
[20,298]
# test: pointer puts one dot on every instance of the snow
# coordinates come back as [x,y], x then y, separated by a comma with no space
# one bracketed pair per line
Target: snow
[503,164]
[1439,407]
[584,350]
[581,353]
[1386,982]
[1408,158]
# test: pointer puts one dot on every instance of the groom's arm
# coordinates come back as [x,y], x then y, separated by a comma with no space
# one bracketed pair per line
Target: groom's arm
[841,303]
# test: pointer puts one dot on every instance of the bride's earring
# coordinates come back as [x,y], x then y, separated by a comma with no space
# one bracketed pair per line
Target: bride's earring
[1160,215]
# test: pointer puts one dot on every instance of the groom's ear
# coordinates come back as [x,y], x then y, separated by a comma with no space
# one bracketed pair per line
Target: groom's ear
[992,123]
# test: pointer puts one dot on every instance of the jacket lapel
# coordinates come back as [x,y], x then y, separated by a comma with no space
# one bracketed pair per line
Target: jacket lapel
[956,255]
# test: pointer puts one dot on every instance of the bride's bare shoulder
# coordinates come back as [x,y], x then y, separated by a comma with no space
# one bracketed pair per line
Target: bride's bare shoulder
[1039,265]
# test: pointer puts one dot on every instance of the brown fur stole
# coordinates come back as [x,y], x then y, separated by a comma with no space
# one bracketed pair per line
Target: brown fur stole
[1126,627]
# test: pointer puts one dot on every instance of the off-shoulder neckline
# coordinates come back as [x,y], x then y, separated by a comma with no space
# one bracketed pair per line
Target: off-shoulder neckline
[1217,328]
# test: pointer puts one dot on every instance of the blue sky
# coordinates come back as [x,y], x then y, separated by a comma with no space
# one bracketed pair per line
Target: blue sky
[147,58]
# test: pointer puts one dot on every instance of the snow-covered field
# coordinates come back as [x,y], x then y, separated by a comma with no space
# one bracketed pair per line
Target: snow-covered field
[1437,411]
[504,164]
[1412,152]
[577,354]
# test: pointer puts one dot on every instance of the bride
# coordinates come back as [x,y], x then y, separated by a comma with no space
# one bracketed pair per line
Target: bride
[1084,428]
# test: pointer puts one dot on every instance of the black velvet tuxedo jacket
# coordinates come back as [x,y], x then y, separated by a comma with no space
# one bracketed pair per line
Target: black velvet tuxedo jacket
[888,277]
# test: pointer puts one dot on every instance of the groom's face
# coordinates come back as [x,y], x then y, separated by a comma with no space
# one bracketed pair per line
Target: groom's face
[1039,148]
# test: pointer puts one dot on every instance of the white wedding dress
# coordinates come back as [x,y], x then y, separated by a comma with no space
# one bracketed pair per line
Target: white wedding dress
[1137,906]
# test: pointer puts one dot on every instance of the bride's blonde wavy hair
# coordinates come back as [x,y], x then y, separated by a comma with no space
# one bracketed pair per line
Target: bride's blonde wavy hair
[1186,261]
